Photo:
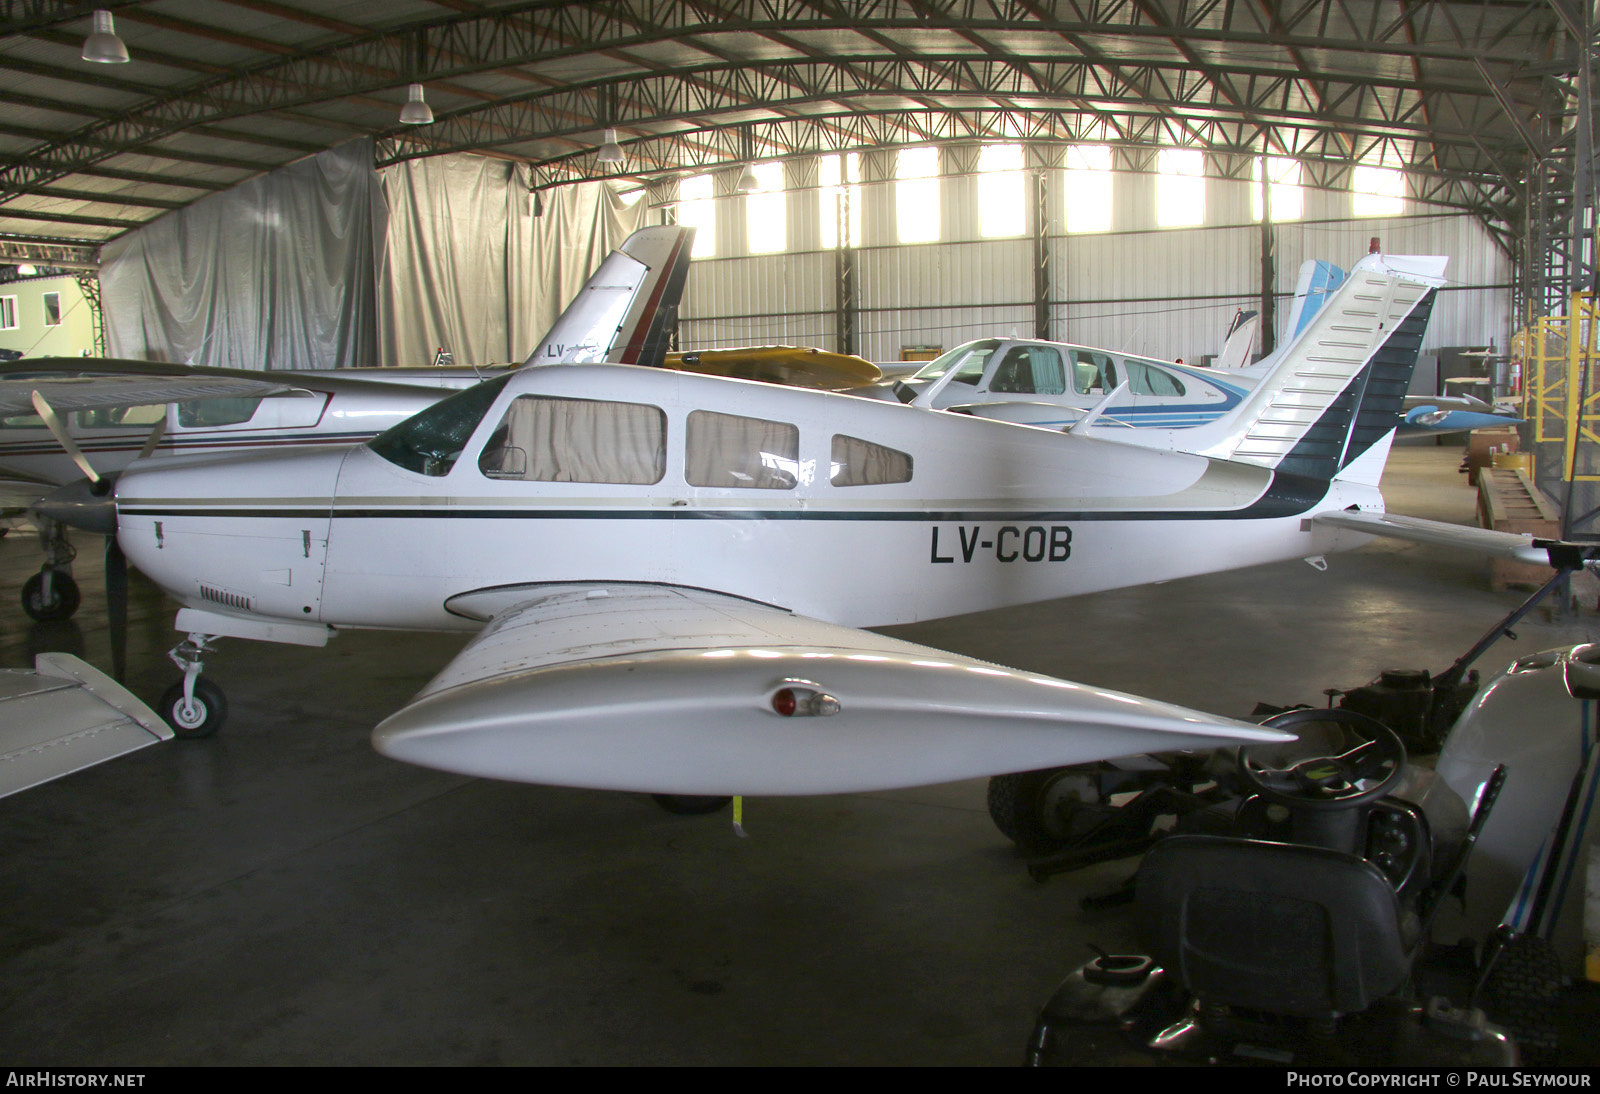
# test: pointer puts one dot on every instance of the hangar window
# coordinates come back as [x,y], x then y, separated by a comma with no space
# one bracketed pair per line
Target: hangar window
[726,450]
[861,463]
[430,442]
[832,192]
[1180,188]
[1377,192]
[764,210]
[1088,188]
[1283,179]
[916,195]
[1030,370]
[52,309]
[8,313]
[697,210]
[1002,200]
[1092,373]
[548,439]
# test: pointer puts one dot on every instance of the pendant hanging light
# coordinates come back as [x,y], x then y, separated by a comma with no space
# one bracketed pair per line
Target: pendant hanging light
[610,152]
[416,110]
[103,45]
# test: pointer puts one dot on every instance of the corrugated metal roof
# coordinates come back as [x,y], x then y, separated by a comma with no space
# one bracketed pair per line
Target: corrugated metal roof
[221,90]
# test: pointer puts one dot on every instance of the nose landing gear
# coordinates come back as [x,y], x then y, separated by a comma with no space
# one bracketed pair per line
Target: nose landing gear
[193,707]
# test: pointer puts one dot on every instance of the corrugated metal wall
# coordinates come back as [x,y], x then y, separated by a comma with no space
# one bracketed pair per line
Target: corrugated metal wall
[1163,292]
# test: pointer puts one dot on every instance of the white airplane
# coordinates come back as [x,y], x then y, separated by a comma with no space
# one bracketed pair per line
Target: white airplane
[652,562]
[1056,385]
[114,411]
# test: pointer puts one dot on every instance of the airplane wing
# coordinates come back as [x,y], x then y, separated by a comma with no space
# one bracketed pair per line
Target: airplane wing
[793,366]
[19,490]
[1483,541]
[96,392]
[65,716]
[681,691]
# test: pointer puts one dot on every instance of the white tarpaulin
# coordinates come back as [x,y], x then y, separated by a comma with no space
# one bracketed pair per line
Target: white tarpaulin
[276,273]
[469,268]
[330,263]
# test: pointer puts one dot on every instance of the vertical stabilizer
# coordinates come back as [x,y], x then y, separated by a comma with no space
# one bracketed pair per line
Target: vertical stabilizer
[1337,389]
[624,312]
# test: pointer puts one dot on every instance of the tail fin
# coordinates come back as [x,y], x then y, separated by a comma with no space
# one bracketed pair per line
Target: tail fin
[1240,341]
[625,310]
[1336,390]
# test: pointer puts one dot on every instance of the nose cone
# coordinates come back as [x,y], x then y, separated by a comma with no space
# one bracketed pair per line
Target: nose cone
[83,504]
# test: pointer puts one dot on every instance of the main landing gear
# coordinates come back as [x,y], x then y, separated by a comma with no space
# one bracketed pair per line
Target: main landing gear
[51,595]
[193,707]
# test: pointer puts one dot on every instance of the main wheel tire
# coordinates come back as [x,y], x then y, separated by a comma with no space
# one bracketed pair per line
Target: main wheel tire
[1523,995]
[64,598]
[691,805]
[209,711]
[1042,811]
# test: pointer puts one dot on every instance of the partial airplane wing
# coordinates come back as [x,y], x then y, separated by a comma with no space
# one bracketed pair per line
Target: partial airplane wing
[65,716]
[793,366]
[682,691]
[99,392]
[1483,541]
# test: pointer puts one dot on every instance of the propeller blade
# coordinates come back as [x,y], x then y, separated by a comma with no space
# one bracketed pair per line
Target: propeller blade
[117,606]
[63,438]
[154,439]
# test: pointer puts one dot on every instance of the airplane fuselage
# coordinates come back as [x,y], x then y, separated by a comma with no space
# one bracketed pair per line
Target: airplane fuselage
[858,512]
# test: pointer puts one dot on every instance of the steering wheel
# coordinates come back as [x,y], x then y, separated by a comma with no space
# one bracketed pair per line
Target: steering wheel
[1329,782]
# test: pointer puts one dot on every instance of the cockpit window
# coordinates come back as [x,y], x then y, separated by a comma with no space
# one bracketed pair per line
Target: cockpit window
[968,360]
[430,441]
[549,439]
[1030,370]
[1092,373]
[204,413]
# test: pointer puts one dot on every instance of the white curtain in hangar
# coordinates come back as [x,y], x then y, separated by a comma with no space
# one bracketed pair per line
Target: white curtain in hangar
[276,273]
[469,267]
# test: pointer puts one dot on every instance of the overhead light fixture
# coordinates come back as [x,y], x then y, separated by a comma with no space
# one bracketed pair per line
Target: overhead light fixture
[748,180]
[416,111]
[103,45]
[609,150]
[27,270]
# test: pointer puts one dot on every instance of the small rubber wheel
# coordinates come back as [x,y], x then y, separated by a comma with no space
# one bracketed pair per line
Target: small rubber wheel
[690,805]
[202,719]
[64,598]
[1042,811]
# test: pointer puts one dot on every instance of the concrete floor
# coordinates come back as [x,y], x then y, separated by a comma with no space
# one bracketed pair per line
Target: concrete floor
[281,894]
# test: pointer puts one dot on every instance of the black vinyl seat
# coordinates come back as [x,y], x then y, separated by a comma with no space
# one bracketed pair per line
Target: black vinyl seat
[1294,930]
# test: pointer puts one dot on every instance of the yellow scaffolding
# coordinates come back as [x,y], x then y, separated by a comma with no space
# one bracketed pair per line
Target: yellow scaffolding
[1558,359]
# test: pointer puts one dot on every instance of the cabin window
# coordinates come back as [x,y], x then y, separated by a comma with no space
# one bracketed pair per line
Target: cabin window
[543,438]
[122,417]
[1030,370]
[430,441]
[209,413]
[1092,373]
[861,463]
[22,421]
[1146,379]
[725,450]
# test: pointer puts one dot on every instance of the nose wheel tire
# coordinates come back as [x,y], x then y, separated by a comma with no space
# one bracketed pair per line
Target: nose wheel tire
[63,600]
[202,718]
[690,805]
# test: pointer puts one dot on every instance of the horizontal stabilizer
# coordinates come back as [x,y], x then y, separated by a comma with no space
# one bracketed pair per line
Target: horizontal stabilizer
[669,690]
[66,716]
[1483,541]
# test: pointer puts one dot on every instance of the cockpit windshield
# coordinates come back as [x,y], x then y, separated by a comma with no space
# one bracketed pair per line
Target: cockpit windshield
[967,359]
[430,441]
